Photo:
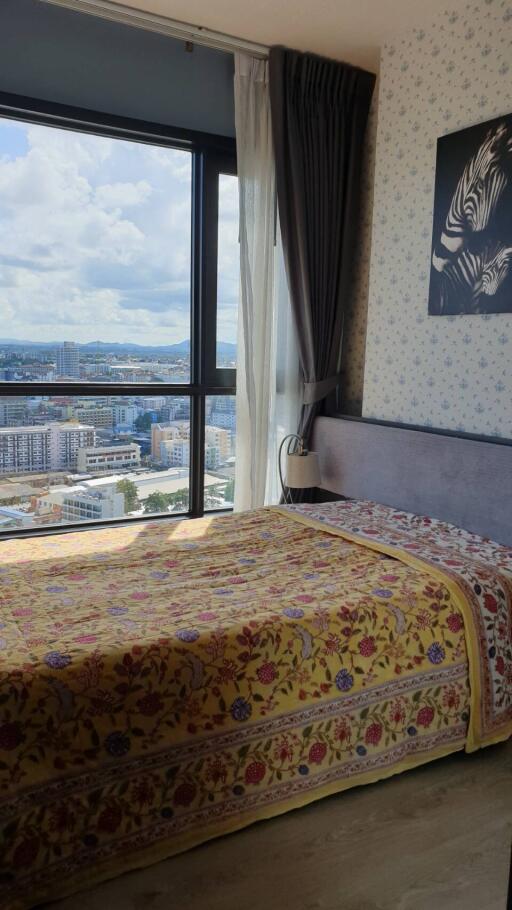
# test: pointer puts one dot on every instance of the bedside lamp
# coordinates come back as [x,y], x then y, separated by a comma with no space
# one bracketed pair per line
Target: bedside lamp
[302,468]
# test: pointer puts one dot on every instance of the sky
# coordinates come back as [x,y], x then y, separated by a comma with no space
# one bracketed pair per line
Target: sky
[95,239]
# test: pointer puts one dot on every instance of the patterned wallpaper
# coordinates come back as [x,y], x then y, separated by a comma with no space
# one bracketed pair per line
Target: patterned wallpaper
[450,372]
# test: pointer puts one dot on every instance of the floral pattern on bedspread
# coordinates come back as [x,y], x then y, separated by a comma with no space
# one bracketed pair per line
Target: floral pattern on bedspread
[167,682]
[481,569]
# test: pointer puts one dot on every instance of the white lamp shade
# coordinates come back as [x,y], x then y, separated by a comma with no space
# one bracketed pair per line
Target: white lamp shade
[303,471]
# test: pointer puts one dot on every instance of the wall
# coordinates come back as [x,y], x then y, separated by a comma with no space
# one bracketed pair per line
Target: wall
[59,55]
[449,372]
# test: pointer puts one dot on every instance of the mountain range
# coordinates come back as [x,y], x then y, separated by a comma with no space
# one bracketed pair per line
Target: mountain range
[113,347]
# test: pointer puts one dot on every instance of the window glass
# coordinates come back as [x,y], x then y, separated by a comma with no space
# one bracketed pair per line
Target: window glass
[95,257]
[71,459]
[220,436]
[101,400]
[228,271]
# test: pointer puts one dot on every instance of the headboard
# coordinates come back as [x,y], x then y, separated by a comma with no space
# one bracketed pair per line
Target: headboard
[466,481]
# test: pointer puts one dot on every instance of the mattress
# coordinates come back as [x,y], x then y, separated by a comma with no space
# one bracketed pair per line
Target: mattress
[165,683]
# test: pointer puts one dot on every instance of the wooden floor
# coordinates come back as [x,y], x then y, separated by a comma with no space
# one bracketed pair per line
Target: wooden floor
[437,837]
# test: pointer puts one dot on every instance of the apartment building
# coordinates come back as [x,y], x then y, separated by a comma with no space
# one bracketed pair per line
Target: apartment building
[100,417]
[175,452]
[125,415]
[219,438]
[226,419]
[65,440]
[159,433]
[53,447]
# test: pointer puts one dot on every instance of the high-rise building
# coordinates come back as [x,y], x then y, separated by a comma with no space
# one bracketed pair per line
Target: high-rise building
[53,447]
[68,360]
[65,439]
[24,449]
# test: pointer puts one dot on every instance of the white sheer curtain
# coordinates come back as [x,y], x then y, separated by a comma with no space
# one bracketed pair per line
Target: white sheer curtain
[267,361]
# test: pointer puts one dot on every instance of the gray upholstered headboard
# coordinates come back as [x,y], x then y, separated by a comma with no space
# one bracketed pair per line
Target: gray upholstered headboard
[458,479]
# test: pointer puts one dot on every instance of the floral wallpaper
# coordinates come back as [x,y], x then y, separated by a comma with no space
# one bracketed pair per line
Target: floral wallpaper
[452,372]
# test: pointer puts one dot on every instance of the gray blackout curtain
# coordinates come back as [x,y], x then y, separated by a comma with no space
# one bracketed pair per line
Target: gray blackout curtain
[319,111]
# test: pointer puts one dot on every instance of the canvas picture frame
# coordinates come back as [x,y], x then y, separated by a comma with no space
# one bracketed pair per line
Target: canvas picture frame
[471,257]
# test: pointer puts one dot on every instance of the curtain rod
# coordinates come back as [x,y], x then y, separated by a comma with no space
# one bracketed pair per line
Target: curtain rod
[115,12]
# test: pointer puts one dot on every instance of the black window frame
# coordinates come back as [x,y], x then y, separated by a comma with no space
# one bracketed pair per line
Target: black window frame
[212,155]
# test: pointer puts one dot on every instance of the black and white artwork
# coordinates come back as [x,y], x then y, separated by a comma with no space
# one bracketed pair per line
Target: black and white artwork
[471,265]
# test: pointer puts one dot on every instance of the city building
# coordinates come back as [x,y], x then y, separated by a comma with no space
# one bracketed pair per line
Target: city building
[170,481]
[212,457]
[125,416]
[65,439]
[225,419]
[175,452]
[159,433]
[94,459]
[100,417]
[52,447]
[68,360]
[81,502]
[220,439]
[37,372]
[168,413]
[92,505]
[13,412]
[153,403]
[221,411]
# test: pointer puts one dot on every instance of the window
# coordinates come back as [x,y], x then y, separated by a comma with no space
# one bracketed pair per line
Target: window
[220,433]
[228,271]
[119,296]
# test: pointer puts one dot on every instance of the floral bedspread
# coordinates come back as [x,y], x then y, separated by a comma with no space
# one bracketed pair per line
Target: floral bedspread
[164,683]
[479,575]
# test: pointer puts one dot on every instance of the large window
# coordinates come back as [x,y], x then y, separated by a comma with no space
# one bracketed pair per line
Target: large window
[119,293]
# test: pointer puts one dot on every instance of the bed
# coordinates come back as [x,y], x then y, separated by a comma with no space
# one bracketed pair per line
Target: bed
[165,683]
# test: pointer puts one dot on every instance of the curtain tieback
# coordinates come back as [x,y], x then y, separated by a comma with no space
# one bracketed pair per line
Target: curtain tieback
[315,391]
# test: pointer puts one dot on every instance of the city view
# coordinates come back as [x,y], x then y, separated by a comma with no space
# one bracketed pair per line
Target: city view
[66,459]
[95,288]
[97,361]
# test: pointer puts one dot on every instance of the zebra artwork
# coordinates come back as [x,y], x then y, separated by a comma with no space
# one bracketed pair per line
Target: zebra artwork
[471,265]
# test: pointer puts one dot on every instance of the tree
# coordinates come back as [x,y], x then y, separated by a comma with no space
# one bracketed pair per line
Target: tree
[229,491]
[131,498]
[156,502]
[143,423]
[178,500]
[161,502]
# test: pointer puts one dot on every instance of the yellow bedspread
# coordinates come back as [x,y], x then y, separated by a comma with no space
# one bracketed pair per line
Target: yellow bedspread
[161,684]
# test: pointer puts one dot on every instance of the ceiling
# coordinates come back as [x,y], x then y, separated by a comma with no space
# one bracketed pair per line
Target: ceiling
[350,30]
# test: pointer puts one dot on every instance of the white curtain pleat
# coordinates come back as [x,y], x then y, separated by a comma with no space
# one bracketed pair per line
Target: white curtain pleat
[285,398]
[268,385]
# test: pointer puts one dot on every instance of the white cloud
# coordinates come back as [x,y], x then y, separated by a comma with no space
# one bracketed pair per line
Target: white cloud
[96,239]
[122,195]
